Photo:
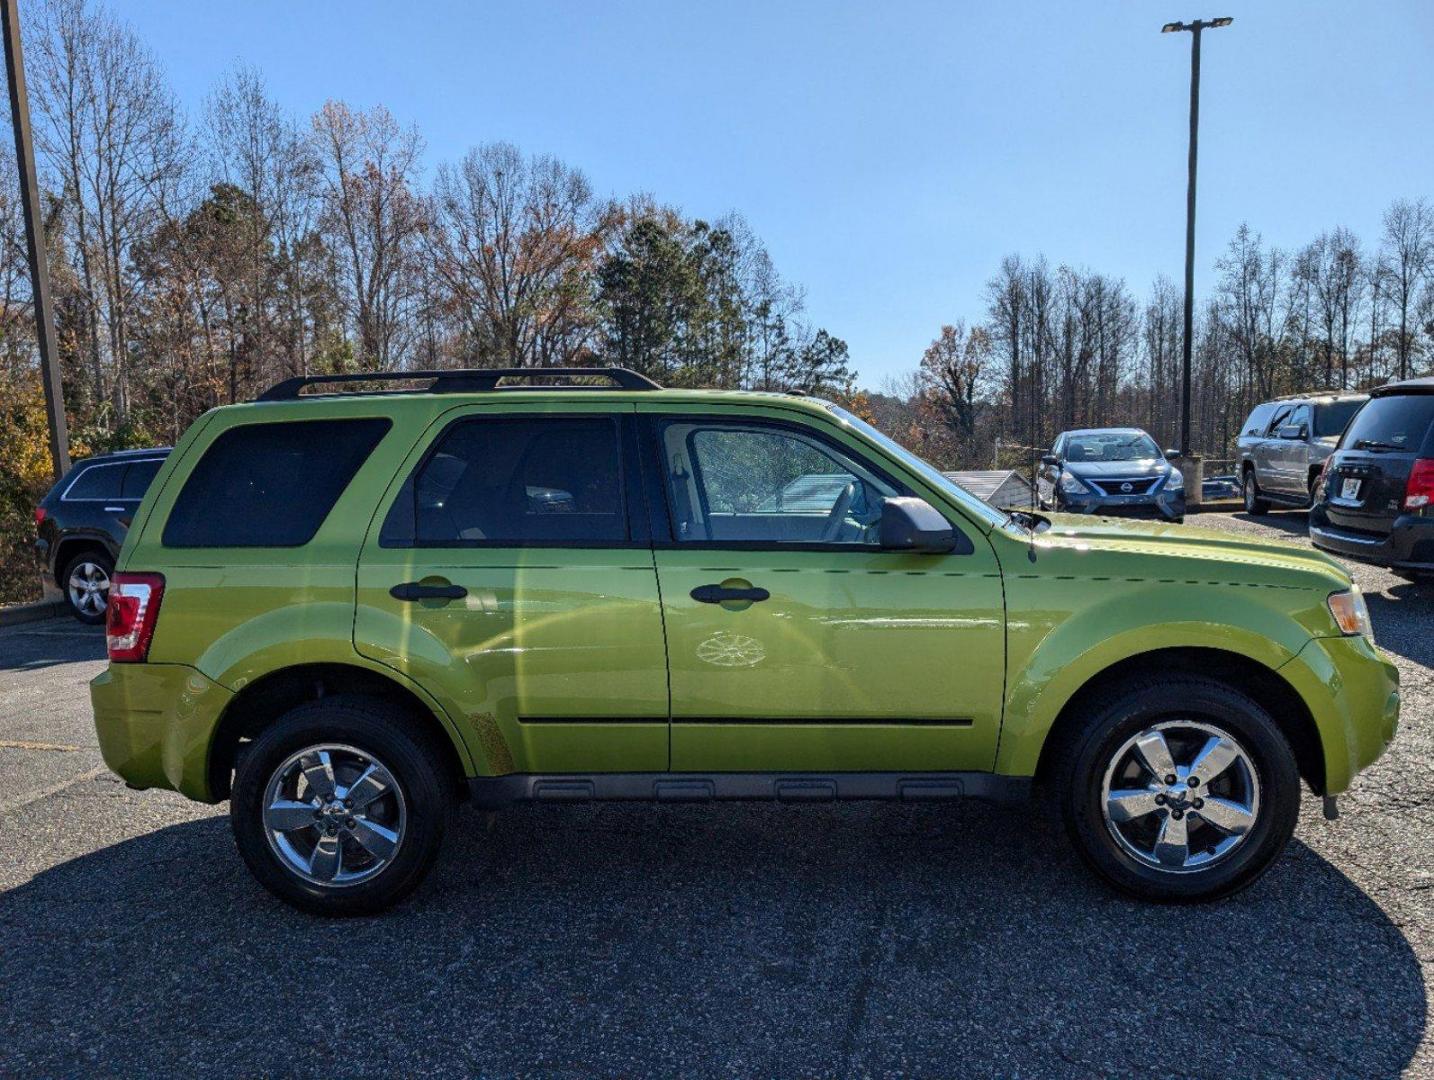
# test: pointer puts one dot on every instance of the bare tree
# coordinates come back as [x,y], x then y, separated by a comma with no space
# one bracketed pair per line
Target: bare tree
[513,243]
[1408,236]
[110,137]
[373,220]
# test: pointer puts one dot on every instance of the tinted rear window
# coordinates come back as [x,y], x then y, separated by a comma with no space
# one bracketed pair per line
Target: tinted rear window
[138,477]
[269,485]
[1333,418]
[1397,422]
[97,482]
[540,480]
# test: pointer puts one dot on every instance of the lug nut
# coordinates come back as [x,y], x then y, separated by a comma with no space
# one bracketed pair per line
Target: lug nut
[349,823]
[1177,814]
[349,803]
[1194,781]
[1160,800]
[1170,779]
[1198,803]
[331,830]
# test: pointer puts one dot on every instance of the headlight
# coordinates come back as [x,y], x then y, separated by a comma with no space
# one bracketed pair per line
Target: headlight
[1175,481]
[1071,486]
[1351,613]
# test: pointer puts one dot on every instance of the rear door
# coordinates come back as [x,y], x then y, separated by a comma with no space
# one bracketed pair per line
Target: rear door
[509,572]
[828,653]
[1365,486]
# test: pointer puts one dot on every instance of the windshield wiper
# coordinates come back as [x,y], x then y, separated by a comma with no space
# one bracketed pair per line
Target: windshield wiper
[1375,444]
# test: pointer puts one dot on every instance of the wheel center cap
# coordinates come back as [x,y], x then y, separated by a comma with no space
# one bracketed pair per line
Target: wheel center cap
[1176,795]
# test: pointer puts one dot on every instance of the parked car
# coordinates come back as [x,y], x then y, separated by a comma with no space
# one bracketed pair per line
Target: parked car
[1111,471]
[1375,500]
[81,523]
[1284,444]
[345,611]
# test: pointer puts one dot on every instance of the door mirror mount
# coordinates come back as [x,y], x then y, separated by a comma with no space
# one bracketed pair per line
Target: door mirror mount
[912,524]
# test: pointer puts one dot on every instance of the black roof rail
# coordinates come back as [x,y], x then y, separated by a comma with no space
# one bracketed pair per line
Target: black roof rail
[465,380]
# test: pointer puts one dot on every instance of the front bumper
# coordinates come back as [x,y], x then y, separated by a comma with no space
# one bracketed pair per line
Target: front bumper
[1409,545]
[155,724]
[1160,506]
[1352,693]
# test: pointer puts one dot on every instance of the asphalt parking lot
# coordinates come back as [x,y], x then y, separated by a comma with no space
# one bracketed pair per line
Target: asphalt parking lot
[623,941]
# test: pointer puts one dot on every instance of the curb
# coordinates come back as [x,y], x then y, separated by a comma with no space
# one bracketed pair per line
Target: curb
[26,613]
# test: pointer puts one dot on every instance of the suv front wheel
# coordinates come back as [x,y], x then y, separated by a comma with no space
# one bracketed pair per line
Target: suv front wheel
[1182,789]
[1254,503]
[339,808]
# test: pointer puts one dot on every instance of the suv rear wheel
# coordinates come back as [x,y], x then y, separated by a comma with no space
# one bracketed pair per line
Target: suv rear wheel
[340,809]
[1254,504]
[1183,789]
[86,581]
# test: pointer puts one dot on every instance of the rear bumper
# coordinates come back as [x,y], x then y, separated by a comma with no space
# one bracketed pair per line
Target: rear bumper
[1352,693]
[1408,546]
[155,724]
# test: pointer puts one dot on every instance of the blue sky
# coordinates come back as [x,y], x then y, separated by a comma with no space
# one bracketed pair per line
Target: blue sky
[888,154]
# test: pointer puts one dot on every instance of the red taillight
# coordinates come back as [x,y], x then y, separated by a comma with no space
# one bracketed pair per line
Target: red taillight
[133,611]
[1419,492]
[39,516]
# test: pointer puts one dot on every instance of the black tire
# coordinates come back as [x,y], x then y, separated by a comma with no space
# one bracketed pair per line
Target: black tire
[1254,503]
[373,727]
[85,567]
[1094,743]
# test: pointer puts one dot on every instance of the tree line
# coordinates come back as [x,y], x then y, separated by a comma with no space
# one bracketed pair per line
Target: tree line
[1063,347]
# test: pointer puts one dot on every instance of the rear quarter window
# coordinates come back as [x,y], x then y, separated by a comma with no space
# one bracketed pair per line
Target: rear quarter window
[96,482]
[269,485]
[1255,424]
[1397,422]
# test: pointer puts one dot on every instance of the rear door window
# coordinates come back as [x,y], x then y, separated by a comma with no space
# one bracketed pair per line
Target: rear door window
[513,482]
[269,485]
[1333,418]
[1400,422]
[97,482]
[1255,425]
[138,477]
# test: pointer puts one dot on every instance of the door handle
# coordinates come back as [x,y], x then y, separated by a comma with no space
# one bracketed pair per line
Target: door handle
[715,594]
[413,590]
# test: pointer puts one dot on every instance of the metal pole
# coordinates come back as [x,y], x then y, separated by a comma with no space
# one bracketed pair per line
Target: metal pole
[35,240]
[1185,349]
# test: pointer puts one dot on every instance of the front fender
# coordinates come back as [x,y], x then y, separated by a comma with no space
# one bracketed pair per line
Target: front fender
[1062,632]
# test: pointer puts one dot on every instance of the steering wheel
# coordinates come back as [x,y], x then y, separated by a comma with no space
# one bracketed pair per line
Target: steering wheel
[838,514]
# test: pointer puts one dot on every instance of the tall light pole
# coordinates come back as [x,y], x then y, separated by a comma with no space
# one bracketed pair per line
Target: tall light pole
[1194,28]
[35,239]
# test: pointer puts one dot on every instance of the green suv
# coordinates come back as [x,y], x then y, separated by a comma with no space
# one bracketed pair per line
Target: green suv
[346,612]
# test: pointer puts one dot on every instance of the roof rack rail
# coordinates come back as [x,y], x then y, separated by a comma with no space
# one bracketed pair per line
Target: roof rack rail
[1316,394]
[465,380]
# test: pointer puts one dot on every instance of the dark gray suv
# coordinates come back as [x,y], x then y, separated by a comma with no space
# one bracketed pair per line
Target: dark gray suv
[1283,446]
[82,522]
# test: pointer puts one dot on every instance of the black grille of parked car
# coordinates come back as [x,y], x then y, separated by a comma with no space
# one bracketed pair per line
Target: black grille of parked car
[1136,485]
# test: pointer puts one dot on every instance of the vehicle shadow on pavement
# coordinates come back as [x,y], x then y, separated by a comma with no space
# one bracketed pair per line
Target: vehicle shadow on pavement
[1403,618]
[1294,522]
[622,940]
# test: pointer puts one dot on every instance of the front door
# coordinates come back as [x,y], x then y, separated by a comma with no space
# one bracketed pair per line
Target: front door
[512,579]
[795,643]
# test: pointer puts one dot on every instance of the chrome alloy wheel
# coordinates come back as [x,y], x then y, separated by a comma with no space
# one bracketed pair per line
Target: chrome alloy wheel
[89,588]
[334,814]
[1180,796]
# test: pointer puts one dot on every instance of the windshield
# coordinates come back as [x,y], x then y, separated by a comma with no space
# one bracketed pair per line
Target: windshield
[928,472]
[1111,446]
[1333,418]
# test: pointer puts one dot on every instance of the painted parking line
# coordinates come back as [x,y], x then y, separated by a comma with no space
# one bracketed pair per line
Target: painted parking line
[21,744]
